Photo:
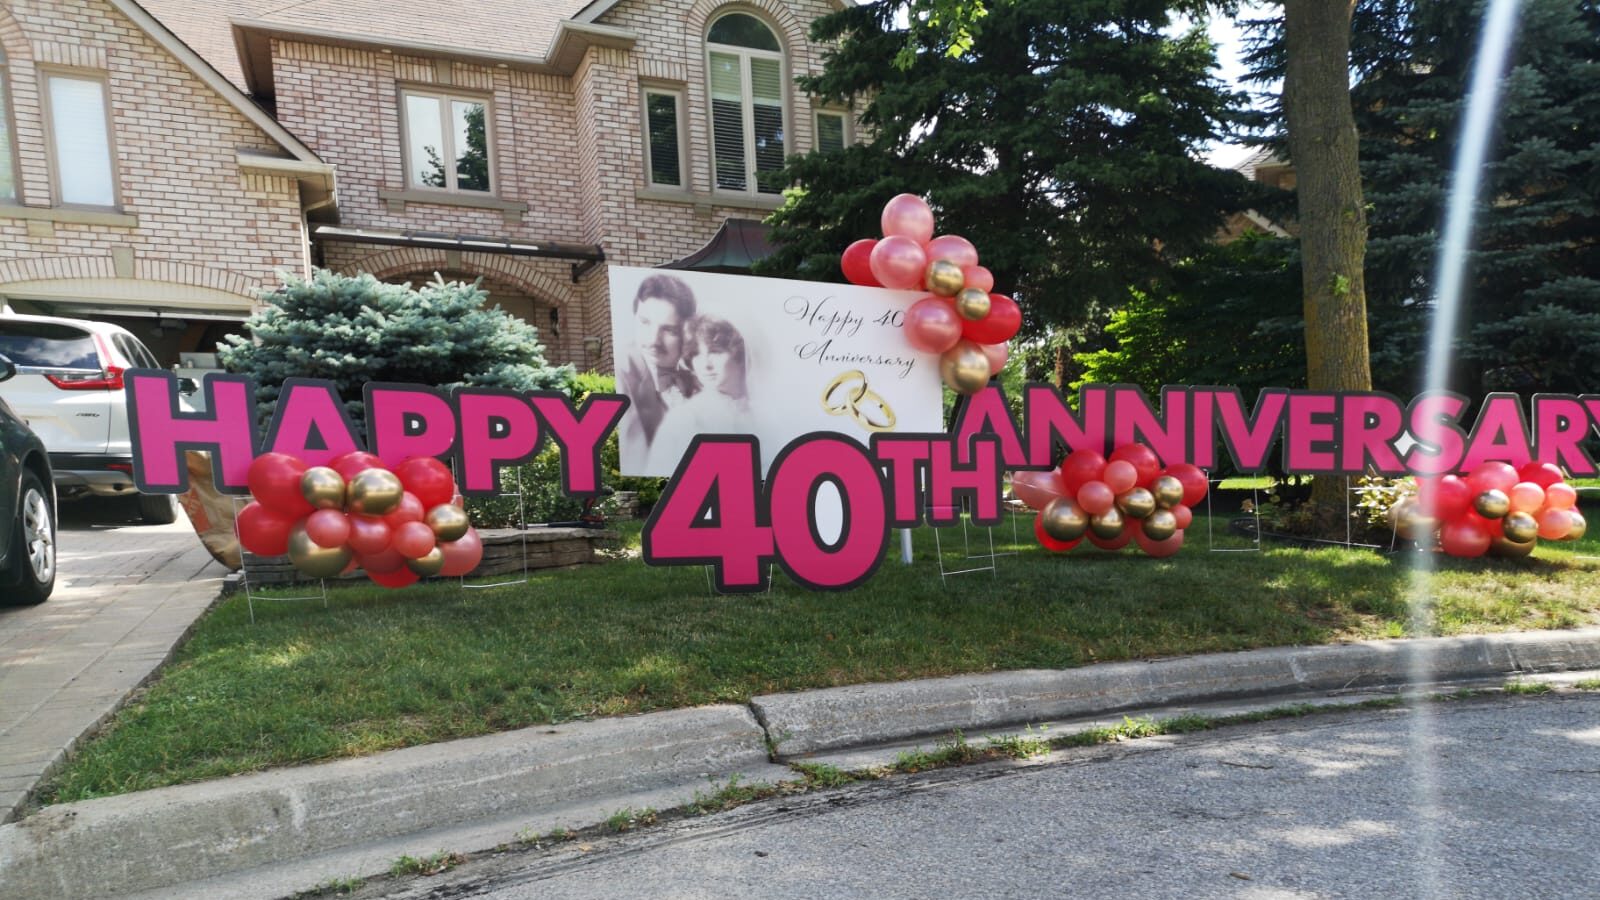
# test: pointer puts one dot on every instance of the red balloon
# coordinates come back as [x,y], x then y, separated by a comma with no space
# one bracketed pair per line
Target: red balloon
[1560,496]
[1144,460]
[1116,543]
[1464,537]
[1081,467]
[413,540]
[429,479]
[328,528]
[1194,482]
[369,534]
[953,247]
[1492,476]
[978,277]
[932,325]
[394,578]
[1120,475]
[1037,489]
[386,560]
[462,555]
[1096,497]
[1001,324]
[1048,542]
[1158,549]
[1542,474]
[353,463]
[856,263]
[409,510]
[274,480]
[1444,498]
[264,531]
[1184,515]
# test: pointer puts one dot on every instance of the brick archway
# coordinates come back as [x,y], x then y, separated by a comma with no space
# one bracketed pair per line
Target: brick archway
[511,270]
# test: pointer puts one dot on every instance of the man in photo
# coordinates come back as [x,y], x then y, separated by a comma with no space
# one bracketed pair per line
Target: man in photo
[654,376]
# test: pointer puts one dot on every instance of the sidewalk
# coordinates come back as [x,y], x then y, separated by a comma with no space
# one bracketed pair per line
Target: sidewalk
[125,595]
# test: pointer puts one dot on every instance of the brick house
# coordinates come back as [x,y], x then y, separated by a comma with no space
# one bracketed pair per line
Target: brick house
[526,144]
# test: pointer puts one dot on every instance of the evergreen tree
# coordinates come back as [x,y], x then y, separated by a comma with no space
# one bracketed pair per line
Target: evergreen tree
[1059,137]
[354,329]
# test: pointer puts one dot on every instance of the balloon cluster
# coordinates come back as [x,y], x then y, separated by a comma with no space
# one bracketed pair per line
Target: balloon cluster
[959,319]
[1497,509]
[396,525]
[1128,497]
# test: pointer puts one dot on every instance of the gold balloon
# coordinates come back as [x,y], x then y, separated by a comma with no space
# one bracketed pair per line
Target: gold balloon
[1064,520]
[945,278]
[1492,504]
[1499,546]
[1411,524]
[965,367]
[314,560]
[1136,503]
[375,492]
[428,563]
[972,304]
[1521,527]
[1160,525]
[1108,524]
[1168,491]
[323,488]
[1580,526]
[448,522]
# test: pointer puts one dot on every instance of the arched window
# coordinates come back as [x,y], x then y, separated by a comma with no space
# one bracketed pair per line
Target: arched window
[748,103]
[8,159]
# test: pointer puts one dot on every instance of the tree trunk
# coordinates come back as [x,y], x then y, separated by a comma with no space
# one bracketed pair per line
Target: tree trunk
[1333,222]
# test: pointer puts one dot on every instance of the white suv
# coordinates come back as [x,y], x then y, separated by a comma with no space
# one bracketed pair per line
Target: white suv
[69,389]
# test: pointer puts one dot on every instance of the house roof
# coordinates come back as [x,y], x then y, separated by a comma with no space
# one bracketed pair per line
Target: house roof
[736,246]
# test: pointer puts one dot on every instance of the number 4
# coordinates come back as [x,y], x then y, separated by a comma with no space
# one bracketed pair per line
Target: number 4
[709,514]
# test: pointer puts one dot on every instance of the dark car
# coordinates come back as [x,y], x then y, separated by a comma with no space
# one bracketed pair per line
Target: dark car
[27,509]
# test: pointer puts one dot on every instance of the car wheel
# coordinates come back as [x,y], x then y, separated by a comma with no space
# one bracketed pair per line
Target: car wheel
[33,547]
[158,509]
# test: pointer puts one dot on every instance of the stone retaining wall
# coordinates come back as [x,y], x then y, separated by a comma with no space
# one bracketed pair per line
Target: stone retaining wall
[503,553]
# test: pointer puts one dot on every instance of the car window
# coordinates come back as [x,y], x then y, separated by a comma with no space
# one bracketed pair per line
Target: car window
[142,355]
[48,345]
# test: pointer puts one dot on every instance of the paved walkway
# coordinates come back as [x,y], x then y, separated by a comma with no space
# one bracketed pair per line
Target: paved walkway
[125,594]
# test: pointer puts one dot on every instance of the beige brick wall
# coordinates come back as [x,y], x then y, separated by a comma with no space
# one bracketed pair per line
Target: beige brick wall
[201,221]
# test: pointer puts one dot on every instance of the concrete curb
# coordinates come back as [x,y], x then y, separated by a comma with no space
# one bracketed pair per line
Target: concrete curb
[151,839]
[818,721]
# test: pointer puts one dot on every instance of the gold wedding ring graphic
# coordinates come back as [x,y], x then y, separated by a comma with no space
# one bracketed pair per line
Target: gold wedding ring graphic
[856,395]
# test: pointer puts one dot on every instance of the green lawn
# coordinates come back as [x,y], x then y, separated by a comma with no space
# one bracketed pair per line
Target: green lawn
[383,669]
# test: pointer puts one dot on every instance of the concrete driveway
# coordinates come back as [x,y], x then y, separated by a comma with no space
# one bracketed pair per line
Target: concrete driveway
[125,594]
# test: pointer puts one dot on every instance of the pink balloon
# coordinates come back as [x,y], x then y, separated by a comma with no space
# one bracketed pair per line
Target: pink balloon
[1183,514]
[1526,496]
[898,262]
[1112,543]
[409,510]
[908,216]
[1120,475]
[413,540]
[1096,497]
[1561,496]
[932,325]
[328,528]
[1158,549]
[386,560]
[998,354]
[953,247]
[1492,476]
[1081,467]
[978,277]
[462,555]
[369,534]
[856,263]
[1464,537]
[1037,489]
[1554,523]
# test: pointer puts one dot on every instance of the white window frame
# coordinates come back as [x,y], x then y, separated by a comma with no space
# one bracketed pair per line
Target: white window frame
[677,95]
[9,122]
[48,73]
[747,102]
[817,112]
[448,137]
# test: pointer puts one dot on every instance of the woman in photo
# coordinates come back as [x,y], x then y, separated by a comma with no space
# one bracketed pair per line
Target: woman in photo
[714,351]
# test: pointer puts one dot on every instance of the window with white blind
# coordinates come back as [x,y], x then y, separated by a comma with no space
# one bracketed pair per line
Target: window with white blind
[447,141]
[832,130]
[80,140]
[8,158]
[663,137]
[748,104]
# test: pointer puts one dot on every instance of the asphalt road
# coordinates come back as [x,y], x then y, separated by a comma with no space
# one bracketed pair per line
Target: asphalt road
[1490,798]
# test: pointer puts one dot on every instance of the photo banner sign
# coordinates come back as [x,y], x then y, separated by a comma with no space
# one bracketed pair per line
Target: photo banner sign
[700,353]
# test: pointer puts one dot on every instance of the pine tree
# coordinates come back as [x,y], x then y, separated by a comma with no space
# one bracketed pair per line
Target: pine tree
[354,329]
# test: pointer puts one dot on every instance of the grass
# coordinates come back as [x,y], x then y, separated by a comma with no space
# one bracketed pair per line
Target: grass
[384,669]
[433,864]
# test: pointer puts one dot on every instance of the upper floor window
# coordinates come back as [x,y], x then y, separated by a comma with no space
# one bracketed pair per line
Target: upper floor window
[663,146]
[80,139]
[748,104]
[833,130]
[447,141]
[8,163]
